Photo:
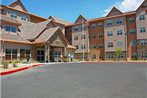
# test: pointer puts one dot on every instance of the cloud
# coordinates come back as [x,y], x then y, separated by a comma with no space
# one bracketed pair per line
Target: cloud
[125,6]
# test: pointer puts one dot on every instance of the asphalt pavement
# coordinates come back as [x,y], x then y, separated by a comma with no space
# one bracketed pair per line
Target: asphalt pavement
[105,80]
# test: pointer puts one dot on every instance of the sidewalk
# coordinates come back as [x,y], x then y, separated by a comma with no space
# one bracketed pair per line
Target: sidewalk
[20,67]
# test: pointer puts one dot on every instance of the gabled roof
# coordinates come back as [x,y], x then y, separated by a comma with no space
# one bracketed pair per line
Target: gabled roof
[60,21]
[79,19]
[114,11]
[32,30]
[48,33]
[4,18]
[144,3]
[18,5]
[13,37]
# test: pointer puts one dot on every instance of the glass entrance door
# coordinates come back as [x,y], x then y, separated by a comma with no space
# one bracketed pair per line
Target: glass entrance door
[57,56]
[40,55]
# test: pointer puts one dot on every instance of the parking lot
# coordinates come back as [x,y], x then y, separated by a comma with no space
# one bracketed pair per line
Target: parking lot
[97,80]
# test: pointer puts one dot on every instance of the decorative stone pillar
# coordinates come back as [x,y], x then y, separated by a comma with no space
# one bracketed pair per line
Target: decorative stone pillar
[47,52]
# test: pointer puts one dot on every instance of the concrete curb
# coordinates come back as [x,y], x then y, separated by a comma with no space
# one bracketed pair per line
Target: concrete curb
[20,69]
[115,62]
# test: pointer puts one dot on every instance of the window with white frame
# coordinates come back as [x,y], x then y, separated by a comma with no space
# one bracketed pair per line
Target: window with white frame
[76,38]
[83,37]
[100,25]
[10,29]
[93,25]
[110,55]
[13,14]
[144,55]
[132,31]
[142,17]
[119,32]
[83,46]
[109,22]
[132,19]
[133,43]
[93,35]
[119,43]
[10,54]
[143,42]
[142,29]
[77,46]
[110,44]
[100,35]
[101,46]
[110,34]
[93,46]
[119,21]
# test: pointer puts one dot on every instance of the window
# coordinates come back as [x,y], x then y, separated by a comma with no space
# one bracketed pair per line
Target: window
[76,38]
[83,47]
[119,21]
[119,43]
[10,54]
[101,56]
[93,26]
[82,36]
[143,42]
[10,28]
[133,43]
[144,55]
[141,17]
[134,55]
[7,28]
[110,55]
[93,36]
[109,34]
[132,31]
[142,29]
[77,47]
[110,44]
[93,46]
[101,46]
[76,28]
[119,32]
[100,25]
[13,14]
[100,35]
[132,19]
[108,22]
[93,56]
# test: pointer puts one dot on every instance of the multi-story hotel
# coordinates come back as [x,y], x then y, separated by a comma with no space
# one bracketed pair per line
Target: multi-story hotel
[127,31]
[25,35]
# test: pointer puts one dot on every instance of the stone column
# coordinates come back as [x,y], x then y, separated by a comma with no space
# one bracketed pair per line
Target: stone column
[47,52]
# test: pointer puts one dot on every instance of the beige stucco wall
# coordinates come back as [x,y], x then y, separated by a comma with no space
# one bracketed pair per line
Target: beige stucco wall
[80,41]
[115,38]
[142,23]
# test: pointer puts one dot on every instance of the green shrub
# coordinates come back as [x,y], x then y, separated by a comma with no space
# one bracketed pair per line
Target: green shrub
[14,63]
[5,64]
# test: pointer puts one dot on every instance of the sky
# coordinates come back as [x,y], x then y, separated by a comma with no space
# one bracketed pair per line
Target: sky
[70,9]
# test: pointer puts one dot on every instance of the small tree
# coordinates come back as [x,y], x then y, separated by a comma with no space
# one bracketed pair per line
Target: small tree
[118,52]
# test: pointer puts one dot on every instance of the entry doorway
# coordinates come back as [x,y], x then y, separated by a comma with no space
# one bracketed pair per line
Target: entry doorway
[57,56]
[40,55]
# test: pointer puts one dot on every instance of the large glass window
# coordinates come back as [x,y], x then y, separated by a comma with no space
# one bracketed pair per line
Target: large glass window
[132,19]
[143,42]
[110,55]
[132,31]
[76,38]
[10,54]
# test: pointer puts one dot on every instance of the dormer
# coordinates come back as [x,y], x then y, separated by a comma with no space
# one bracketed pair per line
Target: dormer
[18,5]
[114,11]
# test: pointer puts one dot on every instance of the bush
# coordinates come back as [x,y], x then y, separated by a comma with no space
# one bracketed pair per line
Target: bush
[14,63]
[5,64]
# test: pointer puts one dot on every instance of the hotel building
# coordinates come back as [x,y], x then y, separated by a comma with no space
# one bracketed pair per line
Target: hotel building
[127,31]
[25,35]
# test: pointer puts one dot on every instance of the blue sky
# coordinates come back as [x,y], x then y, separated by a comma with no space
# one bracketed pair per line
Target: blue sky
[71,9]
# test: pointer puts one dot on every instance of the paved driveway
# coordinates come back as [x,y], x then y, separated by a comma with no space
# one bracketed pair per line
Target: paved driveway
[78,81]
